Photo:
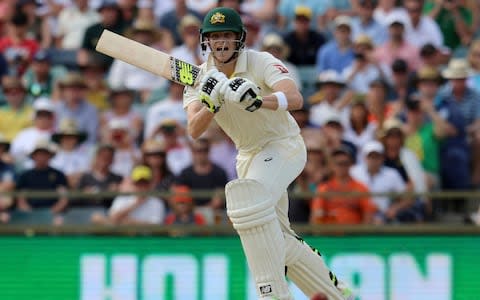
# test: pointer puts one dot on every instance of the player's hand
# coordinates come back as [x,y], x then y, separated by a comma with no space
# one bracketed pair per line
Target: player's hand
[212,89]
[244,91]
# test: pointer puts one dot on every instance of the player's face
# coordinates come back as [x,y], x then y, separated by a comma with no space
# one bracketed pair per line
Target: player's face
[223,44]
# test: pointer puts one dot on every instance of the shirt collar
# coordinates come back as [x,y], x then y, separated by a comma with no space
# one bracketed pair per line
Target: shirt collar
[240,65]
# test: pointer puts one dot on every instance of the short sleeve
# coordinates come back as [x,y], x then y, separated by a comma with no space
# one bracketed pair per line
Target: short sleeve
[274,71]
[366,202]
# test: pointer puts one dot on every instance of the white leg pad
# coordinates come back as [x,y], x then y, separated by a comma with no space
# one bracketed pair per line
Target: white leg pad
[252,212]
[306,268]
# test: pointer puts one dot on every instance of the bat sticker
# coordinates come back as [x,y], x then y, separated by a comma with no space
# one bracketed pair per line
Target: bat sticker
[183,72]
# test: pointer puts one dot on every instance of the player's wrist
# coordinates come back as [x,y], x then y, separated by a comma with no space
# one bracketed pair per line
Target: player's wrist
[282,102]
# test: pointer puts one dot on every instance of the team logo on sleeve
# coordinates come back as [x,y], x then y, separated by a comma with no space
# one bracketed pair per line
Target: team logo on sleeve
[281,68]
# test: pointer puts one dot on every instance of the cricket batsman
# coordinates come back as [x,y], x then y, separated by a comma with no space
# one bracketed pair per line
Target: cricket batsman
[249,94]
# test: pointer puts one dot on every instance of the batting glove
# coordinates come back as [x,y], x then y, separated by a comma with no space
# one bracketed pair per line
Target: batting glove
[244,91]
[212,89]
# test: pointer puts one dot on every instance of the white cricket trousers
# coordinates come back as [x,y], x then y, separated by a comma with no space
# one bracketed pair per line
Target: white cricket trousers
[276,166]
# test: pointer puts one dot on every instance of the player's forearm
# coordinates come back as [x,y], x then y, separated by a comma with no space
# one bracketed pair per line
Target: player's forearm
[199,122]
[288,88]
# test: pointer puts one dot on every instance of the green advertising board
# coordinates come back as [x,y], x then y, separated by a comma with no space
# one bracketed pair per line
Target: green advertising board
[214,268]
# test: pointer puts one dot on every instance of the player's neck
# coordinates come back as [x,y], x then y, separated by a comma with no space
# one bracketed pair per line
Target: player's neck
[227,69]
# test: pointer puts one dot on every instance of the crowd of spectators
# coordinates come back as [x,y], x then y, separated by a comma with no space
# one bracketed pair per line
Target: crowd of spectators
[392,106]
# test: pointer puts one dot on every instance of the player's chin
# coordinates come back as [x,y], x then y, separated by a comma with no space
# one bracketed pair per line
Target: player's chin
[222,56]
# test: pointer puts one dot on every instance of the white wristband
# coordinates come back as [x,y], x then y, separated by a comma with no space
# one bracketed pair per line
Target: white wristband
[281,100]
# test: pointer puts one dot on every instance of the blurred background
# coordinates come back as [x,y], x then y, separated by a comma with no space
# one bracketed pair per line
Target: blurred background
[104,196]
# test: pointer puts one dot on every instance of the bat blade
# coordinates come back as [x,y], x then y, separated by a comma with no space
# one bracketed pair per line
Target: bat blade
[147,58]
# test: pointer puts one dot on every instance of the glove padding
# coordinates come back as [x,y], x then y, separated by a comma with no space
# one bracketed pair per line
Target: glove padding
[244,91]
[212,89]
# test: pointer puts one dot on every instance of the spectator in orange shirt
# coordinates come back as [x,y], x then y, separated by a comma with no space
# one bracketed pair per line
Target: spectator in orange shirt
[342,209]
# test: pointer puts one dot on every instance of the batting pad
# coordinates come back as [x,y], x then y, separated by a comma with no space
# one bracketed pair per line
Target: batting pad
[306,268]
[252,212]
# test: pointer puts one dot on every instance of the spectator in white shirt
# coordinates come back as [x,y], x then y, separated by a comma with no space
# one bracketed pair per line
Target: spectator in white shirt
[172,134]
[73,22]
[421,29]
[189,50]
[169,108]
[138,209]
[123,74]
[43,126]
[330,85]
[72,157]
[380,179]
[127,154]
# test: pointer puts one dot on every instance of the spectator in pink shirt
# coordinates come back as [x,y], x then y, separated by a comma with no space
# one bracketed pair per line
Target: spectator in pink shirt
[397,46]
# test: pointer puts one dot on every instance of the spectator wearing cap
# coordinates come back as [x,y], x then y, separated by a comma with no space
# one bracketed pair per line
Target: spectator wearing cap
[41,77]
[42,129]
[183,211]
[73,21]
[359,130]
[342,209]
[169,108]
[121,102]
[138,209]
[287,14]
[328,99]
[203,174]
[303,41]
[457,95]
[333,131]
[432,56]
[365,24]
[154,155]
[111,19]
[190,50]
[401,81]
[16,46]
[337,54]
[454,19]
[381,179]
[170,21]
[71,157]
[74,105]
[42,177]
[399,157]
[364,69]
[397,46]
[16,115]
[274,44]
[316,171]
[172,134]
[100,178]
[127,154]
[122,74]
[428,81]
[421,29]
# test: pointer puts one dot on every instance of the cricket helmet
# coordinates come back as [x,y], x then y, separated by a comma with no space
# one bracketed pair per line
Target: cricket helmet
[223,19]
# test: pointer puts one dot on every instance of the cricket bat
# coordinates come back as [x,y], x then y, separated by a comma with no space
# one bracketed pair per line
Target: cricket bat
[147,58]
